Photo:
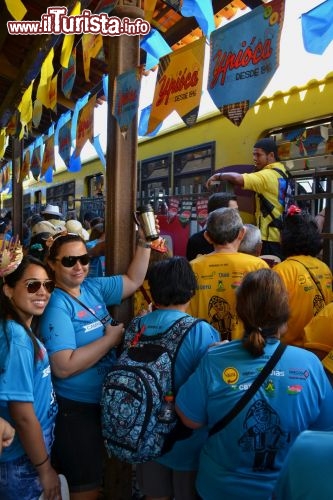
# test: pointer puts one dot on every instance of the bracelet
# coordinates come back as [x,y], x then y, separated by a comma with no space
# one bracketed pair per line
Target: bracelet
[42,463]
[143,243]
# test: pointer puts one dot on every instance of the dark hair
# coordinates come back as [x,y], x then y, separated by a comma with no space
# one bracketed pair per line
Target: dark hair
[263,306]
[223,225]
[268,145]
[300,235]
[171,281]
[3,224]
[7,310]
[96,231]
[88,216]
[95,221]
[59,241]
[220,200]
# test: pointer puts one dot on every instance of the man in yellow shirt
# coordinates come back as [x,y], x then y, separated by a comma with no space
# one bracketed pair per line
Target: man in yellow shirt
[220,273]
[269,182]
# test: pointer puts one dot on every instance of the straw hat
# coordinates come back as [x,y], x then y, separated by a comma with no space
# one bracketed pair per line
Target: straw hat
[75,226]
[44,226]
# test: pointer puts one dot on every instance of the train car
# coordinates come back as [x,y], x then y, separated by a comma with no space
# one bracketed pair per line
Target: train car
[174,165]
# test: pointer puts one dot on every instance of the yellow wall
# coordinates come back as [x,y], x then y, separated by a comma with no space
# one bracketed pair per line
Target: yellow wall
[234,144]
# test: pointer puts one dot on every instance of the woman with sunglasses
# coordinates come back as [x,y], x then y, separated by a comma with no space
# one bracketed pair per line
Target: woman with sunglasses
[79,338]
[27,398]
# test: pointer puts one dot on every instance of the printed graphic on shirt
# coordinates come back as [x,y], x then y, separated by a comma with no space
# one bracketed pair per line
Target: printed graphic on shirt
[264,436]
[220,316]
[230,375]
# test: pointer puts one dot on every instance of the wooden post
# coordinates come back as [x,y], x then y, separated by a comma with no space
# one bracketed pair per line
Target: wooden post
[121,176]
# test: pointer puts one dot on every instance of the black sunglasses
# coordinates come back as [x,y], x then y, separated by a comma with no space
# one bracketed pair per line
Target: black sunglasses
[33,286]
[72,260]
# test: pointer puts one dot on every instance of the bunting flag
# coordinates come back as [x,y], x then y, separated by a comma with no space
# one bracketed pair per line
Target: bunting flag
[185,212]
[202,211]
[37,113]
[106,86]
[3,142]
[48,156]
[65,142]
[68,75]
[143,123]
[85,125]
[172,209]
[126,98]
[202,10]
[98,148]
[148,9]
[16,9]
[25,106]
[48,176]
[179,85]
[244,56]
[91,46]
[74,163]
[25,169]
[68,42]
[53,93]
[80,103]
[14,125]
[155,46]
[36,162]
[317,28]
[43,90]
[106,6]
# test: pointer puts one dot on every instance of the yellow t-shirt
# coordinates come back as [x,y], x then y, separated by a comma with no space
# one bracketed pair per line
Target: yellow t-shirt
[305,300]
[271,185]
[218,276]
[141,297]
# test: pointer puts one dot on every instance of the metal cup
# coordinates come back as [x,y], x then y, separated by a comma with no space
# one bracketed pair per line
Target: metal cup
[145,218]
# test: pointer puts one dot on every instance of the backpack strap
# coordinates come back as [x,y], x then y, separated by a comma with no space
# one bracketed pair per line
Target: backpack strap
[236,409]
[313,277]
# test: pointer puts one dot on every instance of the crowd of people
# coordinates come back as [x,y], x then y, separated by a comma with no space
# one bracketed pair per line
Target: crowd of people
[58,342]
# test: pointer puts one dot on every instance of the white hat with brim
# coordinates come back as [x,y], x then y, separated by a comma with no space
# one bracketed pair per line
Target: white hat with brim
[52,210]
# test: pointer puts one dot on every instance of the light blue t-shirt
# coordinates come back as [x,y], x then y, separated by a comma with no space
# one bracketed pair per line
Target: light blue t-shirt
[185,453]
[66,324]
[243,460]
[307,471]
[26,381]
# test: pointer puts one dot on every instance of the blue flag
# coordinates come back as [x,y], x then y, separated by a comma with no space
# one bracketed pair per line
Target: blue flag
[202,10]
[317,28]
[143,123]
[155,46]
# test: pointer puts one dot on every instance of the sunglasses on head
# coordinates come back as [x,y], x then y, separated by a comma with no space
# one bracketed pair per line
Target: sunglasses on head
[72,260]
[33,286]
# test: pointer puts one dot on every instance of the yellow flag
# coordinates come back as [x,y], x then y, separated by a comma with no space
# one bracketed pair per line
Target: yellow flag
[25,106]
[68,42]
[91,45]
[48,156]
[3,142]
[46,71]
[16,9]
[149,7]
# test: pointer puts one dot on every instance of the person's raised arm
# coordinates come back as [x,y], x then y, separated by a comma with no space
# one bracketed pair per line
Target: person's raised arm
[232,177]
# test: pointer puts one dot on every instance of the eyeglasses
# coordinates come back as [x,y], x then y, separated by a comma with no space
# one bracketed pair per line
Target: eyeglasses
[33,286]
[72,260]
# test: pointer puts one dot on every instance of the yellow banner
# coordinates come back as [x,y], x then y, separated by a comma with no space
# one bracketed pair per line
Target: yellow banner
[68,41]
[85,125]
[16,8]
[179,85]
[91,46]
[25,106]
[3,142]
[48,156]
